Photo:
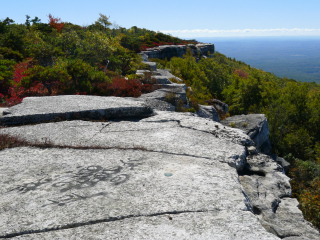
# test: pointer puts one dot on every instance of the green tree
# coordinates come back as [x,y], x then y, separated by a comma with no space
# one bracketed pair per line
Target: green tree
[27,23]
[36,21]
[103,20]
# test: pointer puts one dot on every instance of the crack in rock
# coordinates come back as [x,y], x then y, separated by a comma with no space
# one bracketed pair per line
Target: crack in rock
[97,221]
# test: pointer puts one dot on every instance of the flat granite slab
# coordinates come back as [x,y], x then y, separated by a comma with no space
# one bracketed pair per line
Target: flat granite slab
[217,225]
[64,107]
[121,194]
[171,133]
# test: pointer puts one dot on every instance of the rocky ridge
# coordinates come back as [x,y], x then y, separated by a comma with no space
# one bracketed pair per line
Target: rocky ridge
[169,51]
[125,168]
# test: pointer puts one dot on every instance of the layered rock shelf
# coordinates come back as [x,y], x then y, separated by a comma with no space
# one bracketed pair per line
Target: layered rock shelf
[169,51]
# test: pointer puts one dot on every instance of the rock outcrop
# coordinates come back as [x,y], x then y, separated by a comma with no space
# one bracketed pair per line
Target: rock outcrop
[255,125]
[160,175]
[208,112]
[158,98]
[269,192]
[169,51]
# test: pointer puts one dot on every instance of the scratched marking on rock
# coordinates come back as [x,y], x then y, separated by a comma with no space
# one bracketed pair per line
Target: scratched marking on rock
[63,200]
[85,177]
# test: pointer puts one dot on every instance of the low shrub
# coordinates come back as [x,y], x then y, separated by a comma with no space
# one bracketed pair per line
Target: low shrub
[7,141]
[121,87]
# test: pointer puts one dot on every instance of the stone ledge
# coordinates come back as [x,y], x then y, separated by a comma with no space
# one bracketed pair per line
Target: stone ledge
[66,107]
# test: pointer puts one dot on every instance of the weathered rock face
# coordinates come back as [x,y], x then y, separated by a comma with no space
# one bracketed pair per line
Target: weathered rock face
[269,191]
[169,51]
[167,175]
[220,106]
[255,125]
[208,112]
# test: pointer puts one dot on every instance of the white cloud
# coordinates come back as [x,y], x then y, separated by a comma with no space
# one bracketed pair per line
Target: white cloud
[243,32]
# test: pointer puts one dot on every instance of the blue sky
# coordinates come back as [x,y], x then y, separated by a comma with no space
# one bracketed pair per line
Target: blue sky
[188,19]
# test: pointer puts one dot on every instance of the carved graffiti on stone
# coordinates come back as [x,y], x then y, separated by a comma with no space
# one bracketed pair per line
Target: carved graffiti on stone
[85,177]
[65,199]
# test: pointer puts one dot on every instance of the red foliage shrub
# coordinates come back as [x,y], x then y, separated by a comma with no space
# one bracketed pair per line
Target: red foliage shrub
[7,141]
[241,73]
[55,23]
[20,70]
[122,87]
[147,88]
[16,92]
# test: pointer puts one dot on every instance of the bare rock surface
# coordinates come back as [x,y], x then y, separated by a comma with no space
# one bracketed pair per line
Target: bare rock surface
[166,73]
[48,188]
[217,225]
[121,193]
[169,51]
[208,112]
[269,191]
[162,80]
[39,109]
[255,125]
[178,90]
[2,109]
[161,175]
[163,133]
[158,104]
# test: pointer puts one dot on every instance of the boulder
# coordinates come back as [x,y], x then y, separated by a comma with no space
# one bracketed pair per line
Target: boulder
[208,112]
[144,57]
[220,106]
[255,125]
[282,162]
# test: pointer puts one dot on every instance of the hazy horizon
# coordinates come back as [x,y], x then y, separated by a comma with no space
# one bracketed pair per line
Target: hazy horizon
[292,57]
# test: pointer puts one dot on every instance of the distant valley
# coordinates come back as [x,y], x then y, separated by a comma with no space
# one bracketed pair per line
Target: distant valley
[290,57]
